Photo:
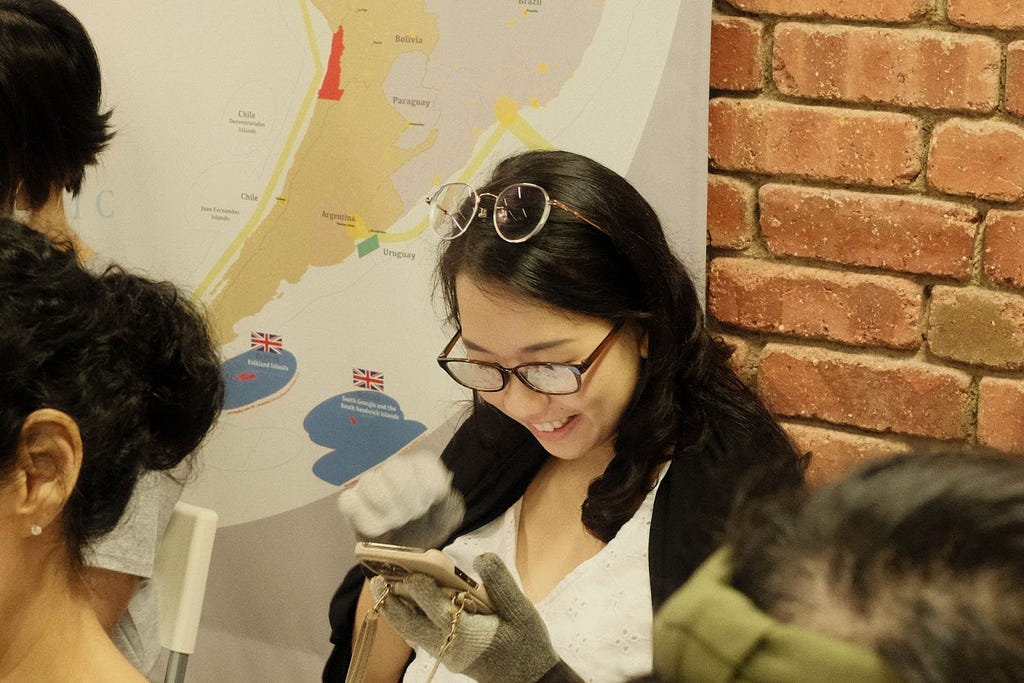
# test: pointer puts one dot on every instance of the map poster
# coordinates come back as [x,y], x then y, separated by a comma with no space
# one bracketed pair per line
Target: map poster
[273,158]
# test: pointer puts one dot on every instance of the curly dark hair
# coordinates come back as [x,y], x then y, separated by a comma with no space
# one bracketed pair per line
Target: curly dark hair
[687,393]
[919,557]
[51,123]
[131,360]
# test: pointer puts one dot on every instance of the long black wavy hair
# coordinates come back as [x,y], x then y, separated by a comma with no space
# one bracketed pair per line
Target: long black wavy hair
[131,360]
[687,393]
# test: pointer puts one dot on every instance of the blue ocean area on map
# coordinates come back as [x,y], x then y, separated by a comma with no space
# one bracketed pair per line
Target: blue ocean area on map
[363,428]
[256,377]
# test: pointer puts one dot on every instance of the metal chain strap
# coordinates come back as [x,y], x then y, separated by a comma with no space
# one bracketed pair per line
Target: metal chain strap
[456,609]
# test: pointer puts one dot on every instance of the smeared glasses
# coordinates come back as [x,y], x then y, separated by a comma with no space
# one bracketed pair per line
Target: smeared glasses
[520,210]
[544,378]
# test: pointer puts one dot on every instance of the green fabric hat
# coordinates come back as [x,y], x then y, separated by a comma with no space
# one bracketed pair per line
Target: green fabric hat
[708,632]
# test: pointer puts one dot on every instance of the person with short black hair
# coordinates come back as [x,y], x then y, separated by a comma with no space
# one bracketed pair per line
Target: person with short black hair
[909,568]
[52,124]
[105,377]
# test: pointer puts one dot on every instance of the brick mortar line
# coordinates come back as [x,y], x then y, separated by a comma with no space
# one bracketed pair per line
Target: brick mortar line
[923,113]
[855,431]
[921,279]
[921,353]
[970,417]
[937,18]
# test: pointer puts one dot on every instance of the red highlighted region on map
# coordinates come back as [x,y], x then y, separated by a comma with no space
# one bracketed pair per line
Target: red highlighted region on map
[331,87]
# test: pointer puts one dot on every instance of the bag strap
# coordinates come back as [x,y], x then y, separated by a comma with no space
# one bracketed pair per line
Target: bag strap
[368,634]
[364,641]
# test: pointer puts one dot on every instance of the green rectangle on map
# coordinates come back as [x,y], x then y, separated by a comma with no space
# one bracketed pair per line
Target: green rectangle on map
[368,245]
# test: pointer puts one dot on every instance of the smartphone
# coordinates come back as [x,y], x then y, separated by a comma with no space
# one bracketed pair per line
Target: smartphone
[395,562]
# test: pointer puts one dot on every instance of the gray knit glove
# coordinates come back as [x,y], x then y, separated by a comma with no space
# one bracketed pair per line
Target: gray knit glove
[408,499]
[509,646]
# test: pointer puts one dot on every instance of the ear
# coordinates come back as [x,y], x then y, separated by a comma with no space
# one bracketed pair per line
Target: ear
[47,466]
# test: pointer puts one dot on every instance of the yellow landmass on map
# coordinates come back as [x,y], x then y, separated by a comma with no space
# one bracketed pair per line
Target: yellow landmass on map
[338,189]
[338,193]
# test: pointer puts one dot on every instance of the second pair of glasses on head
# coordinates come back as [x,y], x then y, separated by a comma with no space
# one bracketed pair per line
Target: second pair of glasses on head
[520,210]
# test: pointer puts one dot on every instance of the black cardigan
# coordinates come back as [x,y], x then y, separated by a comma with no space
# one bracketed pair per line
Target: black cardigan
[493,459]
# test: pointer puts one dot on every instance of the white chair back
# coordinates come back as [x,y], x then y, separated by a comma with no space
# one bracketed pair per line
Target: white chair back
[180,570]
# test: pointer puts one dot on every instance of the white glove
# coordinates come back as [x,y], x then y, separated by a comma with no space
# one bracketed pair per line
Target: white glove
[408,499]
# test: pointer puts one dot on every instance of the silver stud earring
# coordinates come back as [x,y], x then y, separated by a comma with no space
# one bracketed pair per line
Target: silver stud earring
[36,529]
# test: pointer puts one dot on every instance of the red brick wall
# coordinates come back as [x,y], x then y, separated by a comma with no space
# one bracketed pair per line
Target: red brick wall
[866,218]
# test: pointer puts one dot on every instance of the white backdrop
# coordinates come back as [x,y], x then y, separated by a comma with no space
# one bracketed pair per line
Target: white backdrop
[272,158]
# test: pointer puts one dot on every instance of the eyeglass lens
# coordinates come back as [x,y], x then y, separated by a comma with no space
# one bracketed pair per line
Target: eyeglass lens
[543,377]
[452,208]
[519,211]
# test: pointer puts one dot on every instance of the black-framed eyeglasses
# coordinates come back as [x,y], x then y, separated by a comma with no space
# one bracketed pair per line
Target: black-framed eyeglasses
[520,210]
[544,378]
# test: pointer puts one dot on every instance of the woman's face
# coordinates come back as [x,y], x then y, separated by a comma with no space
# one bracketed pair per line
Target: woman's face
[509,331]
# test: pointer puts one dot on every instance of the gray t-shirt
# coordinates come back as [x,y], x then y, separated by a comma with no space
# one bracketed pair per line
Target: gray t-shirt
[131,549]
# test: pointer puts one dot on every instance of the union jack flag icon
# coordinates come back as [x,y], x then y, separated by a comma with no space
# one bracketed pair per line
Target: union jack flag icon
[368,379]
[267,343]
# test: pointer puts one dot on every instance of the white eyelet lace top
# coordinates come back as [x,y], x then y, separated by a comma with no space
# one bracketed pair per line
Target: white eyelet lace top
[599,616]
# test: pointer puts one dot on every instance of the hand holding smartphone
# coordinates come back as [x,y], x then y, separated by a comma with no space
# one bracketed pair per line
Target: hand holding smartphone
[396,562]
